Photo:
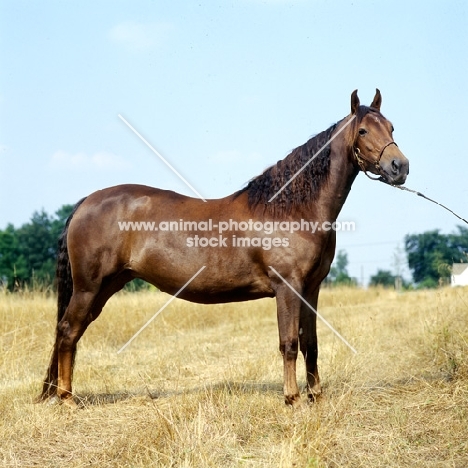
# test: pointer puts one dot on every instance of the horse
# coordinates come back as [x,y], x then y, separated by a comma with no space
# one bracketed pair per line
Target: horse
[97,257]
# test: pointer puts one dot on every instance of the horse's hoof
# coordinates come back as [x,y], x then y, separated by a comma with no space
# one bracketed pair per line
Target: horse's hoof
[70,403]
[314,395]
[54,400]
[292,400]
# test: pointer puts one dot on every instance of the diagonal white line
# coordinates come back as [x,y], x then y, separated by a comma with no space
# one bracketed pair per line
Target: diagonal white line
[312,158]
[315,311]
[160,157]
[161,309]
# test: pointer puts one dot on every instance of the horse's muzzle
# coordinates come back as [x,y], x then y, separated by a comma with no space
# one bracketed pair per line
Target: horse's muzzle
[395,171]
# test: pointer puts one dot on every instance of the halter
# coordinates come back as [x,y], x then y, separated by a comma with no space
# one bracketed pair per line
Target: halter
[360,160]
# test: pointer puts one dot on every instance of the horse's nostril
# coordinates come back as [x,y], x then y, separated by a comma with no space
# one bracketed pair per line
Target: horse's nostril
[396,166]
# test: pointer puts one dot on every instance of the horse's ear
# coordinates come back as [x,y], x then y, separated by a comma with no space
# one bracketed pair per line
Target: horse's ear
[377,102]
[354,102]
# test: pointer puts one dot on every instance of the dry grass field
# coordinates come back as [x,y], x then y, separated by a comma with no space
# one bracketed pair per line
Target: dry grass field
[202,385]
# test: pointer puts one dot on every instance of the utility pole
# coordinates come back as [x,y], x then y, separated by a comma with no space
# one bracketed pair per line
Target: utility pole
[397,263]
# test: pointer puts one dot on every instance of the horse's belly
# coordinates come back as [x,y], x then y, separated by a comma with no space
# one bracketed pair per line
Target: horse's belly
[209,283]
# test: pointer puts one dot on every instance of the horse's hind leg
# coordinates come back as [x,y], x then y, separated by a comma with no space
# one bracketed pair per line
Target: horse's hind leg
[69,331]
[84,308]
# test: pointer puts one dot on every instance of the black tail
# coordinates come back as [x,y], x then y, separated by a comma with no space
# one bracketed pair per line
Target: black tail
[64,293]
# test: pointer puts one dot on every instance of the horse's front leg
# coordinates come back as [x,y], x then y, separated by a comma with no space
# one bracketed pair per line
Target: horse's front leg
[308,343]
[288,306]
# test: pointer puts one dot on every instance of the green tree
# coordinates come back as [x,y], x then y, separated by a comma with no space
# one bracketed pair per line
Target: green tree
[28,254]
[383,278]
[431,254]
[339,271]
[38,246]
[13,263]
[458,242]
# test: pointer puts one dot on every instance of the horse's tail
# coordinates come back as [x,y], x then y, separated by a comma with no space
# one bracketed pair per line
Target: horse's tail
[64,283]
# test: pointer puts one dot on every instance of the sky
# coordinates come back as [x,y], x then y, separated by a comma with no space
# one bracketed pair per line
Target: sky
[223,90]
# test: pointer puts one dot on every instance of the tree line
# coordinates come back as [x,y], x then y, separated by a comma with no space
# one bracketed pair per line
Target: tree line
[28,255]
[429,256]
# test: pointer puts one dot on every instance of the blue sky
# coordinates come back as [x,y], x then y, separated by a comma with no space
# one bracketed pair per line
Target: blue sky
[223,90]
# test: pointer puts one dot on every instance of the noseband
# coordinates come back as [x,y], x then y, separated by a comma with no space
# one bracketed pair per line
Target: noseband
[361,159]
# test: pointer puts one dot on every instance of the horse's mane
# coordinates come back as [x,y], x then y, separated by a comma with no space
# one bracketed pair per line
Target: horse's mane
[306,186]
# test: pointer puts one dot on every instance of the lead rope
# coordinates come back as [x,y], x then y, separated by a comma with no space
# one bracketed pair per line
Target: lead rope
[419,194]
[360,161]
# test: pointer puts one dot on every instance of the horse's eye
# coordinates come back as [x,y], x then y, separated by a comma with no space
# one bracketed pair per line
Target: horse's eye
[362,131]
[393,128]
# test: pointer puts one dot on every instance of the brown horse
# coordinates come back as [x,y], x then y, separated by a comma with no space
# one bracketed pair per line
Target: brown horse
[99,253]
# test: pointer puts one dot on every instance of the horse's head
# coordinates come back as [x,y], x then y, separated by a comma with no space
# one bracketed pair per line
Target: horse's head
[373,145]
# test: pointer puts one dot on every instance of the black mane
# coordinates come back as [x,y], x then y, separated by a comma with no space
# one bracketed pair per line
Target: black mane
[304,188]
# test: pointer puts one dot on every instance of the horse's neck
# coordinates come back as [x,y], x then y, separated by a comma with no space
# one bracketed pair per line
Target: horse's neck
[335,190]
